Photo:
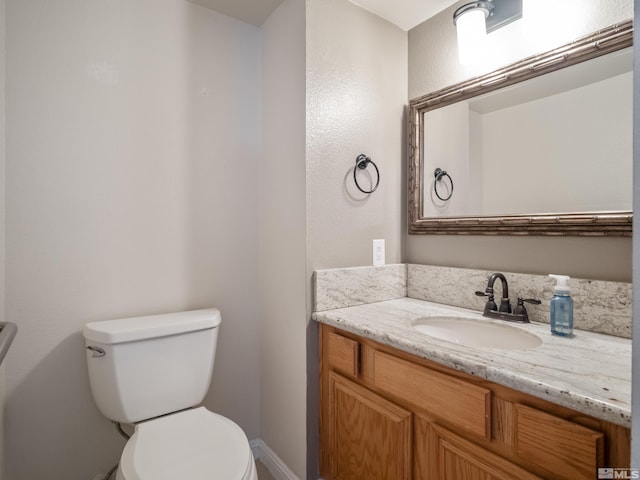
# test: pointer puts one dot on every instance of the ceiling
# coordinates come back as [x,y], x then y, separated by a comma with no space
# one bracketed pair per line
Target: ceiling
[254,12]
[406,14]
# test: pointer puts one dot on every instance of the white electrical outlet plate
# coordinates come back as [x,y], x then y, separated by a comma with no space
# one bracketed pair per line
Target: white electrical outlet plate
[378,252]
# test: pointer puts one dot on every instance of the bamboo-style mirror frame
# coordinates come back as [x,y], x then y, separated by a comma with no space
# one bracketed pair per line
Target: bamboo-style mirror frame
[604,41]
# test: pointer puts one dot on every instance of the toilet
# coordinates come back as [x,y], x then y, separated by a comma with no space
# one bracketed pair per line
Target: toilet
[153,372]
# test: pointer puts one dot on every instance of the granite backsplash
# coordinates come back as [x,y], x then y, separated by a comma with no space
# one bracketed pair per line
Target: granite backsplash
[599,306]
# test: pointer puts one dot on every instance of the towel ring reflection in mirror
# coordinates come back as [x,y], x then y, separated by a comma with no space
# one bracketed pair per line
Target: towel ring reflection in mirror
[439,174]
[362,162]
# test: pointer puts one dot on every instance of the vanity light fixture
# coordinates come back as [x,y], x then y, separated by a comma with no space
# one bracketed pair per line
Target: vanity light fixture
[475,20]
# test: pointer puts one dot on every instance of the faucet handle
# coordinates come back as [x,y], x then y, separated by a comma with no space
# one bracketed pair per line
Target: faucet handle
[520,310]
[533,301]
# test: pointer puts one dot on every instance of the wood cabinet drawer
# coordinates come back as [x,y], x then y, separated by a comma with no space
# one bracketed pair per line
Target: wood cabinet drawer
[344,354]
[463,404]
[454,458]
[560,446]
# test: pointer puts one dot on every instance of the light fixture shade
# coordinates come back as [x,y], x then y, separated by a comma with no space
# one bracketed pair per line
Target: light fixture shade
[472,36]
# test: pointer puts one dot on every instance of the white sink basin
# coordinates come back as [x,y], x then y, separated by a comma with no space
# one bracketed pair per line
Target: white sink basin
[476,333]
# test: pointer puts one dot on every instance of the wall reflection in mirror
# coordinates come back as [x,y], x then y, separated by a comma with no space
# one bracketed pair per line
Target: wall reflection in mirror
[558,143]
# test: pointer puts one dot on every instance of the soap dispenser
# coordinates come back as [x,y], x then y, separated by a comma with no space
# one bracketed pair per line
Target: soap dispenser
[561,308]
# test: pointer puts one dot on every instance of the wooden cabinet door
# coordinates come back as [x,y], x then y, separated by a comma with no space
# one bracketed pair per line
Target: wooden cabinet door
[454,458]
[370,436]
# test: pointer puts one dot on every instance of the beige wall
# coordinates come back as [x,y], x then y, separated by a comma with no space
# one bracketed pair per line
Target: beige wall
[433,64]
[283,236]
[132,157]
[356,93]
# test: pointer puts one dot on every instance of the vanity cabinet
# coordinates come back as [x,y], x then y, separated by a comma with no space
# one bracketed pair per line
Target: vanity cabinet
[388,415]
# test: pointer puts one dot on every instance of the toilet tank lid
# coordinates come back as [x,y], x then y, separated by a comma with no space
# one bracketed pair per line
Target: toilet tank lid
[151,326]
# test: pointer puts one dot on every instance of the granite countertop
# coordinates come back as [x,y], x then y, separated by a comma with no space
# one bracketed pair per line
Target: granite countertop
[590,372]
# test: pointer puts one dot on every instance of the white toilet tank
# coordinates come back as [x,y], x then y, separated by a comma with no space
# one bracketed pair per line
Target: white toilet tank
[144,367]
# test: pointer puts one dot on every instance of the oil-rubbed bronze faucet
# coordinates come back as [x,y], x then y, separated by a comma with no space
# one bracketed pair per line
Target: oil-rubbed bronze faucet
[505,305]
[491,310]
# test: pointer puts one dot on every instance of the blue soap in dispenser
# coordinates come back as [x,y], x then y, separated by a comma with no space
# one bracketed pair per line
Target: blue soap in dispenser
[561,308]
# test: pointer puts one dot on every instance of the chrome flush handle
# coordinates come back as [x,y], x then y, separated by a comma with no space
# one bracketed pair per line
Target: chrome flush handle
[97,351]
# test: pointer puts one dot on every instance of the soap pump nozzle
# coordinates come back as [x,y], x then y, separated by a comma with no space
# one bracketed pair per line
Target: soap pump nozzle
[561,284]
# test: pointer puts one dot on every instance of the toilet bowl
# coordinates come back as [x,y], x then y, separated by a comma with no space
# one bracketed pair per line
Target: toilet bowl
[192,445]
[153,372]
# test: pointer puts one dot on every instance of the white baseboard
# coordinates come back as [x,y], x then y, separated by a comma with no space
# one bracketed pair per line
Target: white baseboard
[274,464]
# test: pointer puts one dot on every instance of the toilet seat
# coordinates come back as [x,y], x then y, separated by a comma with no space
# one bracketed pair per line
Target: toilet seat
[193,445]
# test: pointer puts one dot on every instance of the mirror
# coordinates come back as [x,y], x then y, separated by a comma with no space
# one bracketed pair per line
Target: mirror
[541,147]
